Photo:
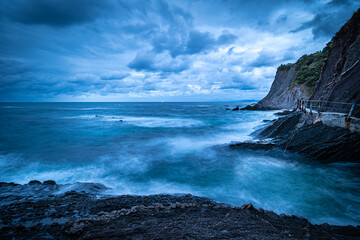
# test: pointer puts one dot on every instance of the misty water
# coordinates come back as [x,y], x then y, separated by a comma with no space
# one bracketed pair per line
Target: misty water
[152,148]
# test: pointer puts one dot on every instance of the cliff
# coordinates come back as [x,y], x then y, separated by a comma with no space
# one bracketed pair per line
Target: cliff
[340,77]
[282,93]
[332,74]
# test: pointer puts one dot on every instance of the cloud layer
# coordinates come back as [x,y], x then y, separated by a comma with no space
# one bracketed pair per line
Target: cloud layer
[114,50]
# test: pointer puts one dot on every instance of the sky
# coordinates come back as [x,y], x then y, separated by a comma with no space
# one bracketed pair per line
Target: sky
[157,50]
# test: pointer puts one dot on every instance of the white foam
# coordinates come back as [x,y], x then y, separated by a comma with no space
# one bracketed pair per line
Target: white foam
[85,108]
[11,107]
[151,122]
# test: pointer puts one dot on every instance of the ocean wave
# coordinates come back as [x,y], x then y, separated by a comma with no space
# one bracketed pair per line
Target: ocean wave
[84,108]
[11,107]
[151,122]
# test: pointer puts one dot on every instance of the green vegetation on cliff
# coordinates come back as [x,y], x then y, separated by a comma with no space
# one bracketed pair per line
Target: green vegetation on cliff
[308,67]
[285,67]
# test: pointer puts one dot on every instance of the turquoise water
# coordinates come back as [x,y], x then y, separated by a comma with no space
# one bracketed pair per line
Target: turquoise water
[171,148]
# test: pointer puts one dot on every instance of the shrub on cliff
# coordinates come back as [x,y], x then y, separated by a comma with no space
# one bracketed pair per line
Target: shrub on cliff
[285,67]
[308,67]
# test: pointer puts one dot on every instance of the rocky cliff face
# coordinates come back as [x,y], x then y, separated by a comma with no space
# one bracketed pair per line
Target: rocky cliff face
[332,74]
[282,94]
[340,77]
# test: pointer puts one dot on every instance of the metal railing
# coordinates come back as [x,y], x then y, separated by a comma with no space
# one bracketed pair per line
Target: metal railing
[318,106]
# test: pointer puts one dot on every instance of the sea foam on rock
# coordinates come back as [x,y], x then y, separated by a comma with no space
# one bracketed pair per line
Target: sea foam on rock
[298,132]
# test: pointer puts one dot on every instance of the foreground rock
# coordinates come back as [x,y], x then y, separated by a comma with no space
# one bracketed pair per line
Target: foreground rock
[298,132]
[83,215]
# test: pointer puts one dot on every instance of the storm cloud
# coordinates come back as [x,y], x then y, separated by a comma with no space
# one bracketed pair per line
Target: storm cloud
[117,50]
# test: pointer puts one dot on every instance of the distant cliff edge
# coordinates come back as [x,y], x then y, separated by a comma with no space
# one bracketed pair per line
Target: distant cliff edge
[332,74]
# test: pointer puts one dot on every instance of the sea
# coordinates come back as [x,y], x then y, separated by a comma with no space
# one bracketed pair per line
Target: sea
[172,148]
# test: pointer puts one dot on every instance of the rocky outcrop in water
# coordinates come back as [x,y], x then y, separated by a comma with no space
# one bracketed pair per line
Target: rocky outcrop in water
[302,133]
[329,75]
[44,213]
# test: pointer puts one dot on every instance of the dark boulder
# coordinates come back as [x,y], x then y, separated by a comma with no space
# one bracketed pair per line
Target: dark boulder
[283,113]
[258,145]
[49,182]
[34,182]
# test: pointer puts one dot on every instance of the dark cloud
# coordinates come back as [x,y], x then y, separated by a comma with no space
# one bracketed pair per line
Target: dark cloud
[143,61]
[11,67]
[54,12]
[196,42]
[153,62]
[339,2]
[115,76]
[329,20]
[264,59]
[177,48]
[237,82]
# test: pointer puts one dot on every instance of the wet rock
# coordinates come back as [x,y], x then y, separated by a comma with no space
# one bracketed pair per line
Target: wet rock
[283,113]
[257,107]
[236,108]
[76,215]
[228,109]
[315,140]
[257,145]
[49,182]
[247,206]
[34,182]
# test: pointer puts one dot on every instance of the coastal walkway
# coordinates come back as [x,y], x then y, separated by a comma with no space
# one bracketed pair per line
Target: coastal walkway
[335,114]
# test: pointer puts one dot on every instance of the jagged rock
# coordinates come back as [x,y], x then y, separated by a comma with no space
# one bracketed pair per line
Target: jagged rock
[255,107]
[283,113]
[34,182]
[236,108]
[49,182]
[339,79]
[247,206]
[315,140]
[258,145]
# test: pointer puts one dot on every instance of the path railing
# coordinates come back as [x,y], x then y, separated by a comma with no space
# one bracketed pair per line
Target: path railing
[318,107]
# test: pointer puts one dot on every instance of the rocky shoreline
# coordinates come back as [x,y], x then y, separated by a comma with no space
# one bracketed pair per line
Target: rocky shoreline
[44,214]
[84,210]
[304,134]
